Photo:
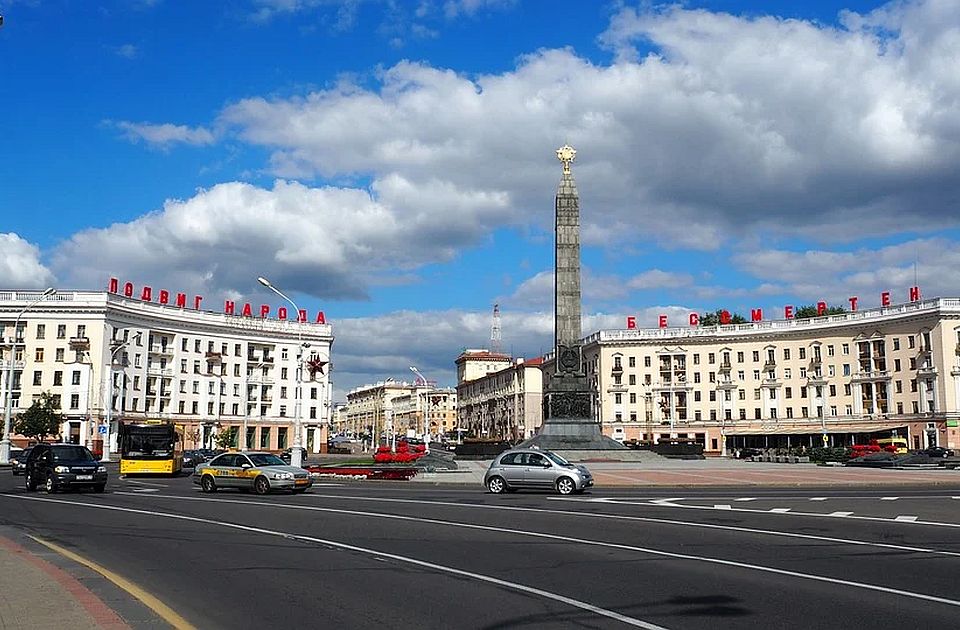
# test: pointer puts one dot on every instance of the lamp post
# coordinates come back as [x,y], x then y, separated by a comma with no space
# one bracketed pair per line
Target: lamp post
[109,415]
[8,390]
[296,455]
[246,410]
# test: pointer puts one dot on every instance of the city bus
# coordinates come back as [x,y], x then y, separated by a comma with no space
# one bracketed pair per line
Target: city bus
[893,444]
[150,448]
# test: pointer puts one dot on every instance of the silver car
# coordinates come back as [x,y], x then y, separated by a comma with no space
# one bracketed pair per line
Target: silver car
[537,469]
[260,472]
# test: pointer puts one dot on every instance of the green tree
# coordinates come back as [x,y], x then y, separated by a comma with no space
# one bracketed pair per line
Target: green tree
[713,319]
[42,419]
[226,438]
[810,310]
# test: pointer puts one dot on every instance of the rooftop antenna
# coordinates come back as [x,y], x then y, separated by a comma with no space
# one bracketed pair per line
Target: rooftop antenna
[496,337]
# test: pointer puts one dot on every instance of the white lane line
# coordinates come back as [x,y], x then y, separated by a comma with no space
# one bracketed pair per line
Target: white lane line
[904,518]
[503,530]
[744,499]
[523,588]
[723,506]
[655,501]
[615,517]
[840,514]
[889,498]
[780,510]
[143,490]
[818,498]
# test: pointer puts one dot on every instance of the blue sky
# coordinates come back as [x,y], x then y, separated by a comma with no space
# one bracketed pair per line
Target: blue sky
[392,162]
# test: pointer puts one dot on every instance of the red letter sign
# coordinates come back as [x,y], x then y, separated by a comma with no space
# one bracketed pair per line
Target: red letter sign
[694,319]
[631,322]
[885,298]
[663,321]
[724,317]
[321,318]
[302,315]
[821,308]
[264,311]
[853,303]
[181,300]
[228,307]
[196,302]
[756,314]
[788,312]
[247,311]
[282,313]
[914,294]
[164,296]
[128,289]
[146,294]
[114,285]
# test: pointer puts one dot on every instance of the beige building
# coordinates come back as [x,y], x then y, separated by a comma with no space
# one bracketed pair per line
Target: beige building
[204,371]
[850,377]
[499,398]
[411,409]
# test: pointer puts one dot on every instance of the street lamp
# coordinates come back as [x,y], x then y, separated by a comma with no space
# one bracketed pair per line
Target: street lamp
[109,415]
[296,456]
[8,390]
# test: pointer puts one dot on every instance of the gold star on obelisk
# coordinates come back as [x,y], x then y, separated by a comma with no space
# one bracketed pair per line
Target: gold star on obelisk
[566,154]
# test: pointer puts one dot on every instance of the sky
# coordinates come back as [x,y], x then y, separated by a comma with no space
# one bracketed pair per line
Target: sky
[393,163]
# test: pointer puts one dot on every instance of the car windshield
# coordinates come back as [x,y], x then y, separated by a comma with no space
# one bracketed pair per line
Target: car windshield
[557,459]
[72,454]
[146,444]
[266,459]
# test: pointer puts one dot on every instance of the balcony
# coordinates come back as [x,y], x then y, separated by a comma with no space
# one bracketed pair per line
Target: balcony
[79,343]
[617,368]
[726,383]
[928,371]
[213,357]
[160,348]
[725,366]
[816,379]
[252,358]
[877,375]
[156,370]
[771,382]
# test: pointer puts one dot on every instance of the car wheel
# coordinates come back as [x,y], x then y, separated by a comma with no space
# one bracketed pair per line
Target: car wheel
[30,483]
[565,485]
[207,484]
[261,485]
[496,485]
[50,486]
[100,487]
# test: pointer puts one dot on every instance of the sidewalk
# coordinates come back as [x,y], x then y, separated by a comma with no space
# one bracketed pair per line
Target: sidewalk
[41,589]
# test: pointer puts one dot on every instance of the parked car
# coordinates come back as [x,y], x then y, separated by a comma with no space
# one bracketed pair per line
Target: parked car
[287,455]
[260,472]
[61,466]
[192,458]
[18,460]
[535,469]
[936,451]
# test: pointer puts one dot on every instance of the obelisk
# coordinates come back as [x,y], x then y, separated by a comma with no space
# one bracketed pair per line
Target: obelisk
[569,420]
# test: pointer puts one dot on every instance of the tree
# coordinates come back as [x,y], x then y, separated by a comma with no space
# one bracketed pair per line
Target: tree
[226,438]
[42,419]
[810,310]
[713,319]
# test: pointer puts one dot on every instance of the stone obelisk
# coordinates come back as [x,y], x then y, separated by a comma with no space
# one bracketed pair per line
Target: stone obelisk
[569,421]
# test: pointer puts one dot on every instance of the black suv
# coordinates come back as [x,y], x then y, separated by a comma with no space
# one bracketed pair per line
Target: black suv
[61,466]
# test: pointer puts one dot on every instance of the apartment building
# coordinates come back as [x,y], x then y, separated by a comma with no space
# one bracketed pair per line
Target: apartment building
[837,379]
[499,398]
[400,407]
[202,370]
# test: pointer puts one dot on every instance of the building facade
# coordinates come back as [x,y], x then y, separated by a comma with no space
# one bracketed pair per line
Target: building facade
[204,371]
[833,380]
[397,407]
[502,398]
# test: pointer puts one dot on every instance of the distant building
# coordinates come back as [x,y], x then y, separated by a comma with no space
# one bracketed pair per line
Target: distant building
[204,371]
[406,408]
[850,377]
[499,398]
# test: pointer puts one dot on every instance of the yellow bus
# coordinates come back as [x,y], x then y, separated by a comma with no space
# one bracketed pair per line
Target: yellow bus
[893,444]
[150,448]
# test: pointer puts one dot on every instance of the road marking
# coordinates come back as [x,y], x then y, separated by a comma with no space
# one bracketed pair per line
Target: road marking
[818,498]
[780,510]
[655,501]
[908,519]
[523,588]
[840,514]
[889,498]
[723,506]
[144,483]
[150,601]
[504,530]
[142,490]
[745,499]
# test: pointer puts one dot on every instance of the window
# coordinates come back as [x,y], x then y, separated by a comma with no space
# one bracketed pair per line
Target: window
[633,379]
[195,408]
[846,389]
[846,369]
[265,437]
[773,412]
[898,386]
[756,375]
[283,354]
[58,378]
[37,378]
[740,375]
[183,366]
[911,342]
[771,355]
[136,383]
[75,377]
[786,354]
[789,412]
[711,358]
[38,357]
[741,394]
[646,361]
[845,349]
[617,398]
[41,331]
[617,379]
[196,345]
[788,392]
[61,331]
[617,363]
[58,355]
[633,398]
[833,390]
[81,330]
[773,393]
[743,414]
[830,354]
[787,372]
[913,363]
[74,401]
[913,385]
[696,377]
[313,413]
[696,396]
[283,410]
[236,370]
[831,371]
[739,357]
[696,359]
[633,416]
[756,394]
[236,409]
[833,410]
[632,361]
[803,372]
[756,414]
[803,392]
[713,377]
[803,412]
[283,372]
[802,352]
[848,410]
[756,356]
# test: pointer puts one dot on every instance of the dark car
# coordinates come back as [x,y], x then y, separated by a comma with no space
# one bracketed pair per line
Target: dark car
[61,466]
[193,458]
[936,451]
[287,455]
[18,462]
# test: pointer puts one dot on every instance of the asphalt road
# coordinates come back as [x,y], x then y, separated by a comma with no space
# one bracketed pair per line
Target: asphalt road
[367,555]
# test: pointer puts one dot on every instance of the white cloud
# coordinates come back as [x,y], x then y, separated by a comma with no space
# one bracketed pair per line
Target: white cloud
[165,135]
[331,243]
[127,51]
[659,279]
[20,265]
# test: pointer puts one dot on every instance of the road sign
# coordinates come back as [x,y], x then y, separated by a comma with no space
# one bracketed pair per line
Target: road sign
[102,430]
[826,439]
